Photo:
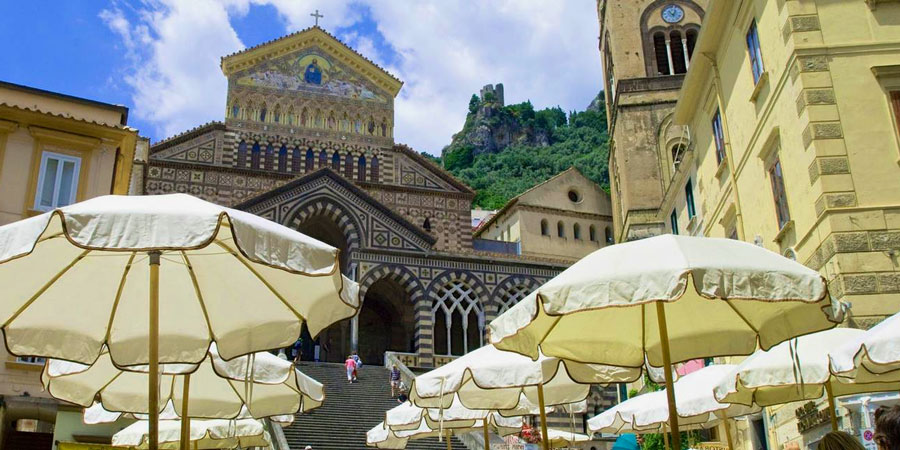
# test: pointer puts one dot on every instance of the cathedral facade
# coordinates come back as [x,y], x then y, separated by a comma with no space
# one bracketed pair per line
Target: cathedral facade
[307,142]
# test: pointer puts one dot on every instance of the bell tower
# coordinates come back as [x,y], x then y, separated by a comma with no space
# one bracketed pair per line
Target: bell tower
[646,46]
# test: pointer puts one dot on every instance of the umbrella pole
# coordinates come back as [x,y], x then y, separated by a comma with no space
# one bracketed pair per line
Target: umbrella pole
[670,387]
[185,419]
[665,438]
[487,438]
[154,350]
[727,424]
[545,444]
[449,447]
[831,406]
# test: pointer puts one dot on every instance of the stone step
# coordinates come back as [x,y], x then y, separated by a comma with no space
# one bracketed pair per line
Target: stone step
[350,410]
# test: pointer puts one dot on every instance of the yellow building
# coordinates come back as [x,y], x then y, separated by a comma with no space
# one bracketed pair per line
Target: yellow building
[55,150]
[791,111]
[566,217]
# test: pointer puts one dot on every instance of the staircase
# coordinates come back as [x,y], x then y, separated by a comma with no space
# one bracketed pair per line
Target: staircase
[349,411]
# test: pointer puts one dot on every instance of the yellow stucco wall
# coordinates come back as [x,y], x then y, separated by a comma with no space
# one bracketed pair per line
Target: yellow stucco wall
[550,202]
[30,124]
[823,109]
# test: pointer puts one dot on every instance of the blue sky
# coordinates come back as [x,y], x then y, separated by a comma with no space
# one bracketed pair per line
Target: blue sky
[160,57]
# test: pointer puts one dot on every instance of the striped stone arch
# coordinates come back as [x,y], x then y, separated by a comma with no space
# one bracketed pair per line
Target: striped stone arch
[509,292]
[400,274]
[339,214]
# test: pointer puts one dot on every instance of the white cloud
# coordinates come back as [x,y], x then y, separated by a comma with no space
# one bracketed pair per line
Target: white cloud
[444,51]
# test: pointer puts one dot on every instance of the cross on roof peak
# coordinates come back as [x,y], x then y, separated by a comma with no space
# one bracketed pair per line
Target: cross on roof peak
[317,16]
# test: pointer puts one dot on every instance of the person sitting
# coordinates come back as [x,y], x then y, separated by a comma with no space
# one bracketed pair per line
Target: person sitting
[402,398]
[887,428]
[839,440]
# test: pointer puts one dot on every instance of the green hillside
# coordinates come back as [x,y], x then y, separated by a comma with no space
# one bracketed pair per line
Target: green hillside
[504,150]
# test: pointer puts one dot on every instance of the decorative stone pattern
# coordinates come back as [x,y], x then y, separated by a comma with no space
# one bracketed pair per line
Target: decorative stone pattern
[821,130]
[814,97]
[804,23]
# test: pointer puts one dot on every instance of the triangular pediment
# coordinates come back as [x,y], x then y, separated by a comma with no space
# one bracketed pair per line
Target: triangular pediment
[376,225]
[311,59]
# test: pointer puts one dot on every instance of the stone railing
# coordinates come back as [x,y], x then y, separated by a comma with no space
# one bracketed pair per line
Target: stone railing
[441,360]
[400,360]
[279,442]
[711,446]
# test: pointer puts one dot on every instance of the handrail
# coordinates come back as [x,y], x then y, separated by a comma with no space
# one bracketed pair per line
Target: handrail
[406,375]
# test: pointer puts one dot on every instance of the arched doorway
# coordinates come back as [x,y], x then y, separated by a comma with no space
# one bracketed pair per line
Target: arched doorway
[386,321]
[333,343]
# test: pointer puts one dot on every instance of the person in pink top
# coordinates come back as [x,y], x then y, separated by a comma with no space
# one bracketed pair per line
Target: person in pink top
[350,365]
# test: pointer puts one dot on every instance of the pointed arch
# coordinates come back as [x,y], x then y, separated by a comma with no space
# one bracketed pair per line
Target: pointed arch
[336,161]
[282,158]
[348,166]
[242,154]
[323,159]
[310,162]
[296,160]
[373,177]
[361,169]
[255,156]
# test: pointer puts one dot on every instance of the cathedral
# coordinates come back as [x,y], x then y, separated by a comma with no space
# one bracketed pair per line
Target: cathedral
[308,142]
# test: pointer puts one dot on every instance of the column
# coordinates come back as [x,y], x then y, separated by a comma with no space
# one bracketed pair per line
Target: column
[354,321]
[669,55]
[687,59]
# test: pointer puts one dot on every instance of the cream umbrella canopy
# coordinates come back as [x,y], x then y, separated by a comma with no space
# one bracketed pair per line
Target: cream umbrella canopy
[669,299]
[488,378]
[260,384]
[870,357]
[408,421]
[792,371]
[96,415]
[696,406]
[156,279]
[560,438]
[204,434]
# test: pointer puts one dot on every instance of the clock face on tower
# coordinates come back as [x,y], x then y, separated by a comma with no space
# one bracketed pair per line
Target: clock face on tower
[672,14]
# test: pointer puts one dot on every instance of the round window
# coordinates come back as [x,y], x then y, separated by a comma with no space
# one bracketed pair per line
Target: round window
[574,196]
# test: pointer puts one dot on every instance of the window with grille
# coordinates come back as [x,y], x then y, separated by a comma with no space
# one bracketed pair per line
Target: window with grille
[57,181]
[460,313]
[511,296]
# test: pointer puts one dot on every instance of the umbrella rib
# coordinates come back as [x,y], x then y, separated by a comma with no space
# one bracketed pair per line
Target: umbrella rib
[733,308]
[263,281]
[45,287]
[115,306]
[190,268]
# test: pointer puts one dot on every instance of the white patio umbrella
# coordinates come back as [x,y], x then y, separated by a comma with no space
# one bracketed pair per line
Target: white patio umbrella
[253,386]
[409,416]
[156,279]
[792,371]
[407,421]
[560,438]
[696,406]
[669,299]
[96,415]
[203,434]
[871,357]
[492,379]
